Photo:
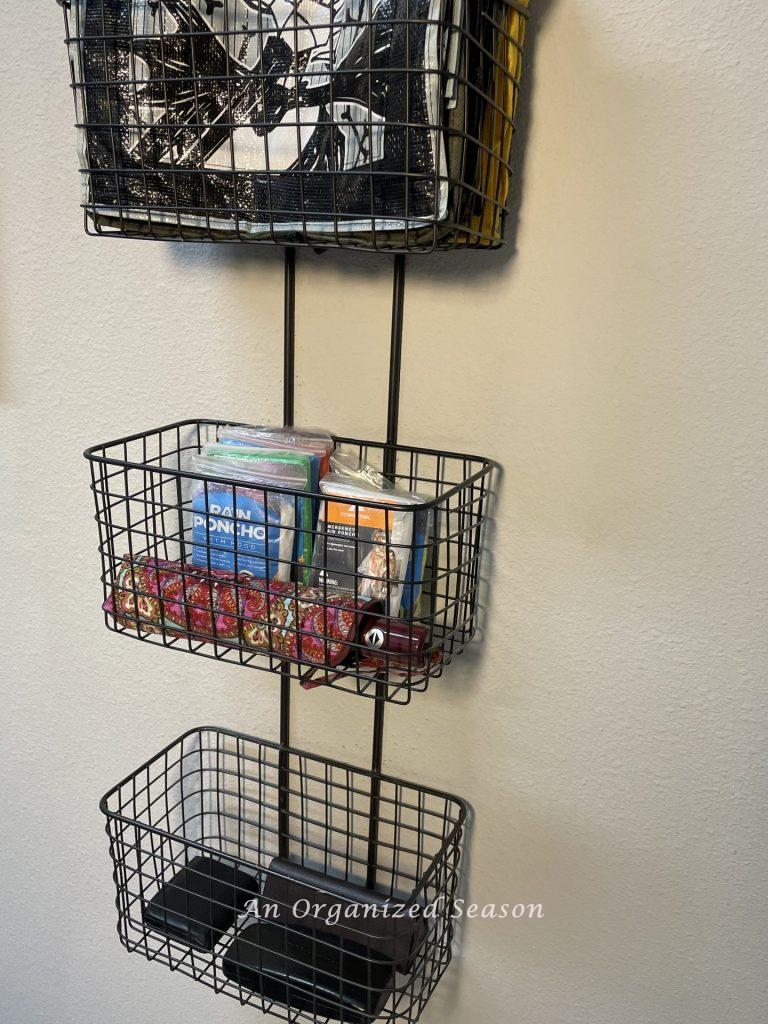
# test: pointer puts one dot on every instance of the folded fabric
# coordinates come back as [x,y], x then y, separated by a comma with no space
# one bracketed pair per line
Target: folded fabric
[158,596]
[498,117]
[302,115]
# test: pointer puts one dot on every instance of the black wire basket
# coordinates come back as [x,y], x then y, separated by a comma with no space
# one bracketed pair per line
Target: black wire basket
[377,124]
[404,606]
[280,878]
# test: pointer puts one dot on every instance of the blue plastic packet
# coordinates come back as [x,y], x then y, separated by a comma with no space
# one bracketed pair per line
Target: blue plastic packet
[291,470]
[240,528]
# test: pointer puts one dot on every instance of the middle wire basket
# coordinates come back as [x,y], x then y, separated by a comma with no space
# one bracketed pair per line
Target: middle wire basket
[282,879]
[404,606]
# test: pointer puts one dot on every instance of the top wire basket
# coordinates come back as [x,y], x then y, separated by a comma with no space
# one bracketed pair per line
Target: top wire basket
[375,124]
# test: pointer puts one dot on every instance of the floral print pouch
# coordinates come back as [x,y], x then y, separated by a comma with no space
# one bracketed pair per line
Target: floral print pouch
[288,620]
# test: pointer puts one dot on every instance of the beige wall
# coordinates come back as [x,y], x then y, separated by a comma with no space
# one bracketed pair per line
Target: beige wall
[610,731]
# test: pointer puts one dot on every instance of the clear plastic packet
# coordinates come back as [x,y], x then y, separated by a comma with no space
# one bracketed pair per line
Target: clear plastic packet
[318,443]
[347,465]
[241,529]
[280,468]
[288,437]
[364,550]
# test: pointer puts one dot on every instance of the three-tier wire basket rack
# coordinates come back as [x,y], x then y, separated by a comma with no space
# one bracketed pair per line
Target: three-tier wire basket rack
[310,889]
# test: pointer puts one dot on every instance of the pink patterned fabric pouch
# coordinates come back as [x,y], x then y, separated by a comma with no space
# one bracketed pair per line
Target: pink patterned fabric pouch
[288,620]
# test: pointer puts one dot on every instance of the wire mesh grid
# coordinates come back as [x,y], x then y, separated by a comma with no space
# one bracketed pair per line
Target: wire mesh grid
[377,124]
[404,607]
[217,881]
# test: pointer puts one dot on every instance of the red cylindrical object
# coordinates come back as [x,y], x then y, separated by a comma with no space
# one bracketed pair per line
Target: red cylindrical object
[390,638]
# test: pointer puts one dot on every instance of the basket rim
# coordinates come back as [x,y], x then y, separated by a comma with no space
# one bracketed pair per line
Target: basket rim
[96,454]
[462,804]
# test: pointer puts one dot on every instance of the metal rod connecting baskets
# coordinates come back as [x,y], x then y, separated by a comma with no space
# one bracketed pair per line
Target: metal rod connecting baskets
[410,603]
[216,882]
[379,124]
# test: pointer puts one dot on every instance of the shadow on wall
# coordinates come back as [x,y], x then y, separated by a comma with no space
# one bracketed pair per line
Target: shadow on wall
[578,872]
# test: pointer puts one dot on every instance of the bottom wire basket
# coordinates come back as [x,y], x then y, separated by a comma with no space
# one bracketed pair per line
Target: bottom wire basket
[310,889]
